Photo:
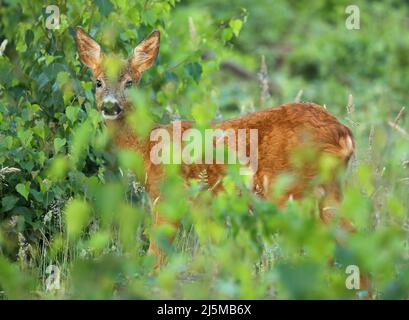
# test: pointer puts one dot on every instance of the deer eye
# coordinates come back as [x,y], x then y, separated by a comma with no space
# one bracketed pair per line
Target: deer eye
[99,83]
[128,84]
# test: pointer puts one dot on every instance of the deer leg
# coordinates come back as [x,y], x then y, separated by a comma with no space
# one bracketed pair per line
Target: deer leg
[329,204]
[155,249]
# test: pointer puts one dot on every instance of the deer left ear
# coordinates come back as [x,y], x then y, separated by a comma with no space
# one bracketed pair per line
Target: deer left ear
[88,49]
[143,56]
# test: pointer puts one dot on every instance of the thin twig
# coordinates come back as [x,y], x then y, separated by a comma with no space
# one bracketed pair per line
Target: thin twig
[350,105]
[370,141]
[298,96]
[263,79]
[394,124]
[192,30]
[399,116]
[399,129]
[350,110]
[3,46]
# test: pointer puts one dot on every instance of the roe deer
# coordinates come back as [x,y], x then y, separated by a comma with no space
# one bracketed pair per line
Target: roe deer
[281,130]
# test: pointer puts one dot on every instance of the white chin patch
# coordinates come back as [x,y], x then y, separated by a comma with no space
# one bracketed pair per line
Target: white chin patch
[111,116]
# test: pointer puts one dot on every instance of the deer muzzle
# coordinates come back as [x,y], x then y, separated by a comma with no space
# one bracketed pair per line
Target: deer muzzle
[111,109]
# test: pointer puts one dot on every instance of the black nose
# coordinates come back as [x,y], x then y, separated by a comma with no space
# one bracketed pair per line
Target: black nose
[111,108]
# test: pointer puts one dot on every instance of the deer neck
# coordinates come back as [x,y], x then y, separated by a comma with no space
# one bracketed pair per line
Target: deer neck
[124,137]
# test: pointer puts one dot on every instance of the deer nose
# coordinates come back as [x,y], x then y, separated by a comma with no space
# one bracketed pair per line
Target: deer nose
[111,108]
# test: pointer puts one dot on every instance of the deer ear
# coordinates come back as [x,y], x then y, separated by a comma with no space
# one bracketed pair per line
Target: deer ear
[143,56]
[88,49]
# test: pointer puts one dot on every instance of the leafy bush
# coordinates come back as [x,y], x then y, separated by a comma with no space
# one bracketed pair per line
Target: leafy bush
[74,211]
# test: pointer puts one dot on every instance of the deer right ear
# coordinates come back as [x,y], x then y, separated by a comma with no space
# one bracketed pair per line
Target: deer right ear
[143,56]
[88,49]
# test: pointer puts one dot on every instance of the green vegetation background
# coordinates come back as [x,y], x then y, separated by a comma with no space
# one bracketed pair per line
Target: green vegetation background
[74,225]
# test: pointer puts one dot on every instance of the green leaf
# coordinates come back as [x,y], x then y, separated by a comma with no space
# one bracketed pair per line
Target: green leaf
[236,26]
[130,160]
[80,141]
[40,158]
[5,71]
[72,113]
[171,76]
[76,216]
[194,70]
[52,70]
[99,241]
[23,189]
[39,130]
[29,36]
[104,6]
[58,144]
[25,137]
[27,165]
[8,202]
[38,195]
[149,17]
[299,280]
[42,80]
[63,77]
[58,168]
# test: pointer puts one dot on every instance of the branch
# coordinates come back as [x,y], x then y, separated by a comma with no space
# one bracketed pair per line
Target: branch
[398,128]
[239,71]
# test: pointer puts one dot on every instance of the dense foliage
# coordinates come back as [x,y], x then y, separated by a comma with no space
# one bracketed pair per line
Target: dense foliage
[74,215]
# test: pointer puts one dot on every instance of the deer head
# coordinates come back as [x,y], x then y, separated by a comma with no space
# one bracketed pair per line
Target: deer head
[111,91]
